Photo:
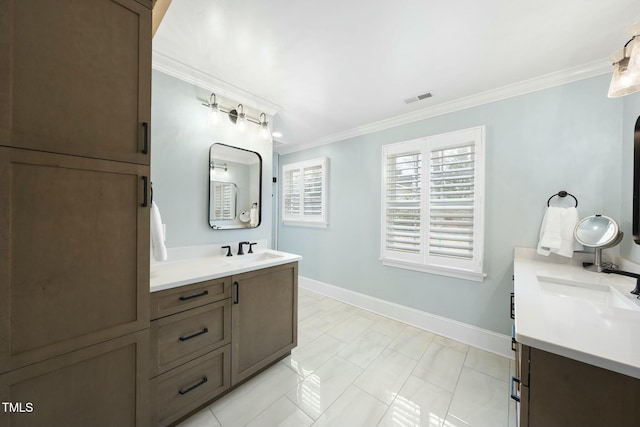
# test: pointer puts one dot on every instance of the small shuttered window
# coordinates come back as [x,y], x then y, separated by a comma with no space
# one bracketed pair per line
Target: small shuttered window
[433,192]
[304,193]
[224,200]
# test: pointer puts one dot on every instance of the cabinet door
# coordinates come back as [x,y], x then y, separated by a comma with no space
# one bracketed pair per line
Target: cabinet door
[74,254]
[264,318]
[567,393]
[102,385]
[75,77]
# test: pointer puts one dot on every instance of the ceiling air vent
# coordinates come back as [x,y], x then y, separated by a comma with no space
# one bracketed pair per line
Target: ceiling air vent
[417,98]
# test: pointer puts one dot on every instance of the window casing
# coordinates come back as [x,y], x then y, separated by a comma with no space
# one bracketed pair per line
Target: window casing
[304,193]
[433,204]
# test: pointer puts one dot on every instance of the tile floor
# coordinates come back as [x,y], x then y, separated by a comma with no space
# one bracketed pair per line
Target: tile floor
[354,368]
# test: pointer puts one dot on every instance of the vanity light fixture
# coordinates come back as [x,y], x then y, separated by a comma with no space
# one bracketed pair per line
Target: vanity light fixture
[213,165]
[241,122]
[238,116]
[214,109]
[264,126]
[626,66]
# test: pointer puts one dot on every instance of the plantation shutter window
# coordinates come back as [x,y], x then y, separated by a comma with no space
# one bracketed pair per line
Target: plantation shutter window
[224,200]
[433,192]
[304,193]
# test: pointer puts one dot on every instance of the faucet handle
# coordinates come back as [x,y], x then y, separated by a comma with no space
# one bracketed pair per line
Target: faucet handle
[228,248]
[251,247]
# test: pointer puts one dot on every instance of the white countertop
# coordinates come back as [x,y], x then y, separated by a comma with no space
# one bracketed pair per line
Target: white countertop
[577,328]
[167,275]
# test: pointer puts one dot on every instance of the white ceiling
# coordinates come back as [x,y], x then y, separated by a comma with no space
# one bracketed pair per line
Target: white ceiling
[336,65]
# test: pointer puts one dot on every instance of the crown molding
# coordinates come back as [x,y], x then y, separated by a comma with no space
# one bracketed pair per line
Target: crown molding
[545,81]
[186,73]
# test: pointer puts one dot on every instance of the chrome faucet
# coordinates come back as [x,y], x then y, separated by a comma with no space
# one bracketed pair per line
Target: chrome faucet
[240,245]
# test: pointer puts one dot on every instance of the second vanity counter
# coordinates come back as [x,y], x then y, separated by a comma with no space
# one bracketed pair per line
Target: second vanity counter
[168,275]
[586,324]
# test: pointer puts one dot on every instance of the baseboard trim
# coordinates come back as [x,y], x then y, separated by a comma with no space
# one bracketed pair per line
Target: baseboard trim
[463,332]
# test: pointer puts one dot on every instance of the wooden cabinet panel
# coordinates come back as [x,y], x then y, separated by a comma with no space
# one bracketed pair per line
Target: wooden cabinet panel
[185,336]
[75,77]
[183,389]
[264,318]
[567,393]
[74,254]
[102,385]
[171,301]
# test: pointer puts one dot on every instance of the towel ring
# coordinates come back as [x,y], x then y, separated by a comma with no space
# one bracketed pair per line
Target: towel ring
[562,194]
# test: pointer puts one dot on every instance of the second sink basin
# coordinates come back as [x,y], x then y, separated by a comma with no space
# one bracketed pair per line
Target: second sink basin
[597,293]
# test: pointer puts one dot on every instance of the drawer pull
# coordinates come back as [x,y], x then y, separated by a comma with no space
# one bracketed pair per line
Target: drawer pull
[201,294]
[204,331]
[514,343]
[145,141]
[236,300]
[513,305]
[514,396]
[145,190]
[187,390]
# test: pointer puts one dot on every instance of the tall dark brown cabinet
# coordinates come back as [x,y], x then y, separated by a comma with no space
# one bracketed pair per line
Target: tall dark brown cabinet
[75,101]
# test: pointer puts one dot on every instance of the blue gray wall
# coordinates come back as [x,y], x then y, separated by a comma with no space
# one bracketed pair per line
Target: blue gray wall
[181,138]
[564,138]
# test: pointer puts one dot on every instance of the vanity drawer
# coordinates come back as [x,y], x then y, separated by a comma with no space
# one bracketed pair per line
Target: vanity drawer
[171,301]
[183,389]
[182,337]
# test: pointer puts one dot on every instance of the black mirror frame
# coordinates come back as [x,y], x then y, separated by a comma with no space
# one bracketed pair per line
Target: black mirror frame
[259,192]
[636,183]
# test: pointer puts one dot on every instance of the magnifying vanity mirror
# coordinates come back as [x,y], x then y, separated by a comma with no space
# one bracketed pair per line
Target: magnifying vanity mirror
[599,232]
[235,187]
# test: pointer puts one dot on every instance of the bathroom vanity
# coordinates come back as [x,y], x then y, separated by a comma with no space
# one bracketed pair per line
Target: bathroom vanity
[215,322]
[576,343]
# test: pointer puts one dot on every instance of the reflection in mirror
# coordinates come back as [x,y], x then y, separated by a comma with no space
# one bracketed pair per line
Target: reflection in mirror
[223,198]
[235,181]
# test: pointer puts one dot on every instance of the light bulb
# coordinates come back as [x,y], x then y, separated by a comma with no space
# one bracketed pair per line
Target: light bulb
[264,126]
[214,116]
[241,122]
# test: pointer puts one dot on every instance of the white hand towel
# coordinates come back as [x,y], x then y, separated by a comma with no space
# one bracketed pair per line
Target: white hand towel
[551,230]
[254,216]
[157,235]
[556,232]
[569,244]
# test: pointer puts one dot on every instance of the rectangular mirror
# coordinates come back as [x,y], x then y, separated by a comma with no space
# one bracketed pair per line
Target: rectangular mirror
[235,187]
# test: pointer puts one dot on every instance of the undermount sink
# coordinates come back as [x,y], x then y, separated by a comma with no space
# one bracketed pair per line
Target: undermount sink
[253,258]
[596,293]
